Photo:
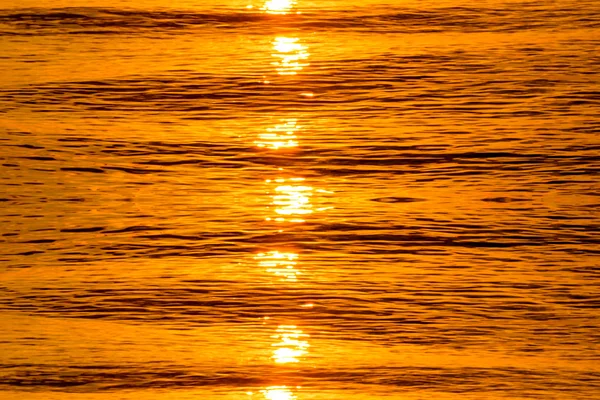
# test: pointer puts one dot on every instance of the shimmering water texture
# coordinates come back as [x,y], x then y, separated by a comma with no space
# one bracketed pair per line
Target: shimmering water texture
[299,200]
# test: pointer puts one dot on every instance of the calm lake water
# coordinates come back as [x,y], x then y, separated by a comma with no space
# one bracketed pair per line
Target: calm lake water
[296,200]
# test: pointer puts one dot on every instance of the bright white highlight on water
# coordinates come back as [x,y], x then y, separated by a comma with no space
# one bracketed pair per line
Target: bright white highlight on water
[278,6]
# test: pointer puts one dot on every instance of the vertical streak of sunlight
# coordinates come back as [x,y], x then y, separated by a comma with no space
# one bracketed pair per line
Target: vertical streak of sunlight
[290,54]
[282,265]
[290,200]
[291,345]
[278,6]
[281,136]
[278,393]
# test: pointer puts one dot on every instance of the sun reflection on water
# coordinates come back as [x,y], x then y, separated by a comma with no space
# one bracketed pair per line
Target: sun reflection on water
[290,54]
[281,136]
[282,265]
[278,393]
[291,345]
[291,200]
[278,6]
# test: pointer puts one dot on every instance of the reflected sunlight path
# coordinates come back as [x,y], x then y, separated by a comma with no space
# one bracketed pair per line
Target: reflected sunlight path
[291,202]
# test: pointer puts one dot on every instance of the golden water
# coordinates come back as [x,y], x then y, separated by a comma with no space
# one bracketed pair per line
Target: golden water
[299,200]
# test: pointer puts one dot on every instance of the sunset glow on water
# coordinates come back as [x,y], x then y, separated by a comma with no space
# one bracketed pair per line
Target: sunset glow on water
[299,200]
[278,6]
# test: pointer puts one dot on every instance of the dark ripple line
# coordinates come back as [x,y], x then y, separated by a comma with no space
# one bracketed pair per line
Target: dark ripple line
[104,20]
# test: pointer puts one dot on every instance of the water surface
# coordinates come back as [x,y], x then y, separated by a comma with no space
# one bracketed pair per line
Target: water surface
[299,200]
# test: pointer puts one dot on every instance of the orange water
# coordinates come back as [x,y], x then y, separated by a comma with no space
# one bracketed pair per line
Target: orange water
[299,200]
